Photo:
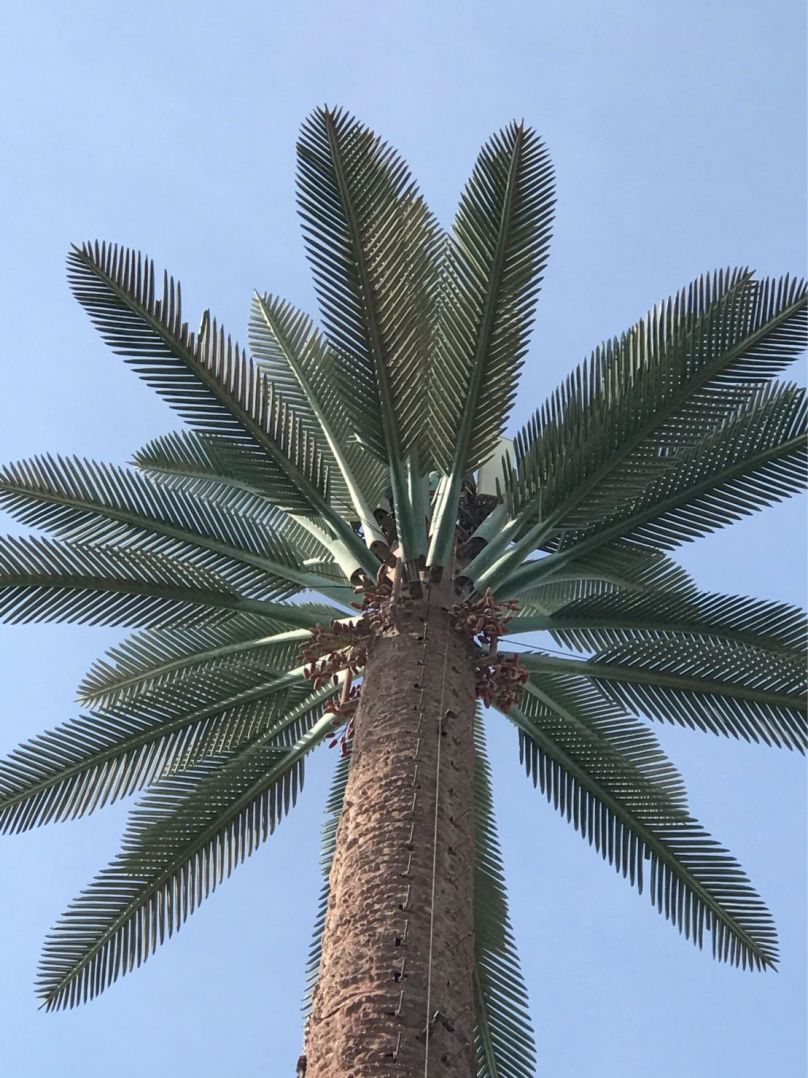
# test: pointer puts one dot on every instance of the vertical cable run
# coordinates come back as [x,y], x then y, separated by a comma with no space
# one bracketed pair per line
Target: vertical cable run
[404,904]
[439,726]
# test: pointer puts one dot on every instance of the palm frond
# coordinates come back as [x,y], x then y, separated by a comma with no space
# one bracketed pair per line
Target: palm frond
[333,811]
[206,377]
[503,1036]
[618,568]
[661,388]
[594,623]
[90,503]
[296,358]
[607,774]
[184,838]
[209,463]
[496,254]
[96,759]
[755,460]
[219,469]
[150,660]
[719,686]
[373,247]
[44,580]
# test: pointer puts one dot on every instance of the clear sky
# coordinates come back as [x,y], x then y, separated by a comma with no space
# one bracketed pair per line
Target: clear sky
[678,133]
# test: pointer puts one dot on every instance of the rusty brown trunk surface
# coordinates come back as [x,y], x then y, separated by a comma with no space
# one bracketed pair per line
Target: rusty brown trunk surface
[369,1009]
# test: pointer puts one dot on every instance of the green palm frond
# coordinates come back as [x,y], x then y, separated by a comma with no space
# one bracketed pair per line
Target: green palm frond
[210,463]
[619,565]
[495,257]
[98,758]
[620,568]
[205,377]
[211,684]
[44,580]
[333,811]
[297,359]
[278,334]
[608,775]
[185,837]
[755,460]
[662,387]
[219,469]
[595,623]
[619,422]
[373,246]
[496,254]
[61,494]
[503,1036]
[150,660]
[719,686]
[90,503]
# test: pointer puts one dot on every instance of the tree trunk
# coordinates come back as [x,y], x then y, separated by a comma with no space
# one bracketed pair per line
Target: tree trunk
[396,977]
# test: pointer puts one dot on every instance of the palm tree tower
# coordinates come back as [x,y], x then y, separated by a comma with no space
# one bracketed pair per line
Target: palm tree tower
[340,547]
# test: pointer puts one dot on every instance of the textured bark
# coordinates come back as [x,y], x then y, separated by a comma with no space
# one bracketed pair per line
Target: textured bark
[413,739]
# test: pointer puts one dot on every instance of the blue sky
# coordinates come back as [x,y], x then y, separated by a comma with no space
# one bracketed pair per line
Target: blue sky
[677,130]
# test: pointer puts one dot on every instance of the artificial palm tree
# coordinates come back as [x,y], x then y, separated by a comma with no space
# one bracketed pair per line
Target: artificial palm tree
[335,549]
